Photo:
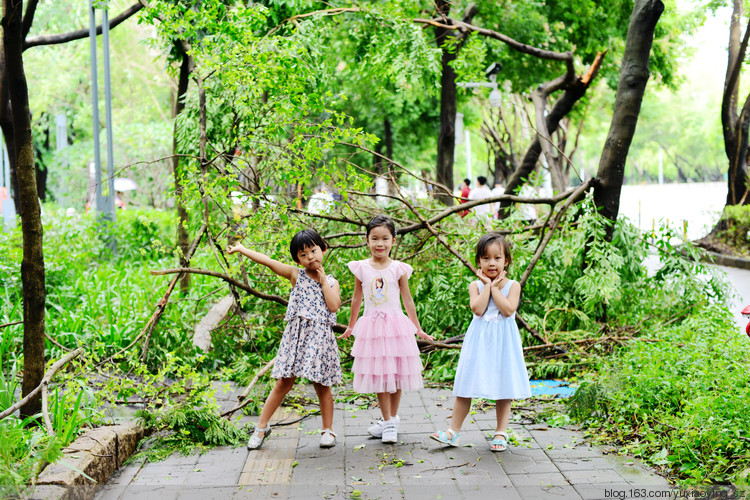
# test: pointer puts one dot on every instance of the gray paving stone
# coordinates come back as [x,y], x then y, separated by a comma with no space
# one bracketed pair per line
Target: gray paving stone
[151,491]
[546,462]
[601,476]
[323,491]
[586,463]
[207,493]
[538,479]
[489,491]
[565,492]
[257,492]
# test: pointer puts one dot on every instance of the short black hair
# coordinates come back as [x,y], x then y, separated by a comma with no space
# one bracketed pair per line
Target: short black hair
[381,220]
[482,180]
[490,239]
[467,182]
[304,239]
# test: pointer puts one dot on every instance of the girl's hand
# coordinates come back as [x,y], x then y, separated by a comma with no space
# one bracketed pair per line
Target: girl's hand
[499,279]
[236,248]
[321,277]
[422,335]
[347,333]
[484,279]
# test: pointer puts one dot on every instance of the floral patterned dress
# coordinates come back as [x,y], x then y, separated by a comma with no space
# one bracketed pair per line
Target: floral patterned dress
[308,347]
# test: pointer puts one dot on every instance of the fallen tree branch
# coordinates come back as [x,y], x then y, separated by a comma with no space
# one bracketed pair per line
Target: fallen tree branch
[574,195]
[338,327]
[241,399]
[45,381]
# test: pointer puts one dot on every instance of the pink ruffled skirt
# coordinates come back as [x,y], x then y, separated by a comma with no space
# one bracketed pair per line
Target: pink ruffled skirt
[386,356]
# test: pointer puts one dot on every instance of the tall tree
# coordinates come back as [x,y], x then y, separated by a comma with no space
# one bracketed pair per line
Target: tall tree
[32,265]
[734,124]
[633,78]
[450,44]
[15,121]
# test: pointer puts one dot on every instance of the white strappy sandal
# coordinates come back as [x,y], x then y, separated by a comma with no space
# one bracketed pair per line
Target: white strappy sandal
[327,439]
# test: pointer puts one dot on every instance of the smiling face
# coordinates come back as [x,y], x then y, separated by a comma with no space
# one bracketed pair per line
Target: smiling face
[310,257]
[380,240]
[493,261]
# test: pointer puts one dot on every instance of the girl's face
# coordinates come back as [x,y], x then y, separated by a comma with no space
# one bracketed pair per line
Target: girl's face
[493,262]
[380,240]
[310,257]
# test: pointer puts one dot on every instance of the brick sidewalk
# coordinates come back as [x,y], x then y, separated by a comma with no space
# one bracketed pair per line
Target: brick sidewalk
[547,462]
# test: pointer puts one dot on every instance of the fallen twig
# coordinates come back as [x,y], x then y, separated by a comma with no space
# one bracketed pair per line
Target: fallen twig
[242,402]
[44,383]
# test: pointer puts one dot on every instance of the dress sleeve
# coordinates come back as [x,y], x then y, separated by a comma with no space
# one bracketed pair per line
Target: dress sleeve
[331,280]
[403,268]
[355,267]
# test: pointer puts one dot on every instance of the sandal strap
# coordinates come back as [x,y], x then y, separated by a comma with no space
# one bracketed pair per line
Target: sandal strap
[329,431]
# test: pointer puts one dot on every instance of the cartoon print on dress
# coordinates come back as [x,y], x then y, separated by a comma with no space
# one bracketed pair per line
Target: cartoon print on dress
[378,291]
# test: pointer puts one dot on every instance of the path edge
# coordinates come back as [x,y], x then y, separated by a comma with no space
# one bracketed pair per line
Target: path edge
[98,453]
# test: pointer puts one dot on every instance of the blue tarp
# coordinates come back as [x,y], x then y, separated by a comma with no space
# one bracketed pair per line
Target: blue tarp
[557,388]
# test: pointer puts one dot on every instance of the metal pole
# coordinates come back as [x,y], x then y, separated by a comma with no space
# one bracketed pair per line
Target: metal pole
[468,153]
[99,201]
[108,111]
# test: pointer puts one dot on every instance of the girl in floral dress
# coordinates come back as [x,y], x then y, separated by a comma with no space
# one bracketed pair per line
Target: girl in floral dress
[308,347]
[386,357]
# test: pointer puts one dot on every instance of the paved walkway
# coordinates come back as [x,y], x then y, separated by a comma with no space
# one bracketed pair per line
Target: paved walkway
[544,462]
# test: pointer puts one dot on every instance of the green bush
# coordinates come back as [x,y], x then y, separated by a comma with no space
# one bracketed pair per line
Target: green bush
[676,398]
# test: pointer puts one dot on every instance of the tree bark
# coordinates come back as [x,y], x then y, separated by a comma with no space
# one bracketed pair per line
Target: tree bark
[446,144]
[634,75]
[32,265]
[183,240]
[734,125]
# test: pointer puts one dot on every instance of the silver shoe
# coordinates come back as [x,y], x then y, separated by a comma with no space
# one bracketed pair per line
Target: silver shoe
[327,439]
[256,440]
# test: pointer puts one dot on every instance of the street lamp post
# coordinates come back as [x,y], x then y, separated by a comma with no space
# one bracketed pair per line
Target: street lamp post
[496,100]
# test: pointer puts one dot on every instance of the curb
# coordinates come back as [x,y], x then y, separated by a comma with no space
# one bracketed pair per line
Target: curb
[97,454]
[726,260]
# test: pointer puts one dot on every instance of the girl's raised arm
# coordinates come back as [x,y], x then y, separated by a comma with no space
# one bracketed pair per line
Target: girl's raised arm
[356,304]
[506,305]
[411,310]
[283,270]
[478,302]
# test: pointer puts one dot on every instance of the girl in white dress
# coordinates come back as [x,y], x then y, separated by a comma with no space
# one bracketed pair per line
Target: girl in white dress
[491,364]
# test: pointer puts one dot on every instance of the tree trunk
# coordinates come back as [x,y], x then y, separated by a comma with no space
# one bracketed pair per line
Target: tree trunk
[32,265]
[447,136]
[634,75]
[734,126]
[183,240]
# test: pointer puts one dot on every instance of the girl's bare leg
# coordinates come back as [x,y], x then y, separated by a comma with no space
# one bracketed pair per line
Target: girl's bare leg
[384,401]
[325,399]
[460,409]
[395,401]
[502,412]
[274,400]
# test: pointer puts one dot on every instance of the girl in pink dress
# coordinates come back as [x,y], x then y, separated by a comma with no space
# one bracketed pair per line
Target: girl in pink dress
[386,356]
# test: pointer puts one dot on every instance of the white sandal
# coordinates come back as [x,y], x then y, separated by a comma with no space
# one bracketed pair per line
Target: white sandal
[256,440]
[327,439]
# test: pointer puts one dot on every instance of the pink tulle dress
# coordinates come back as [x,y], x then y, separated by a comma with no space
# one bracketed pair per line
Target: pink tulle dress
[386,356]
